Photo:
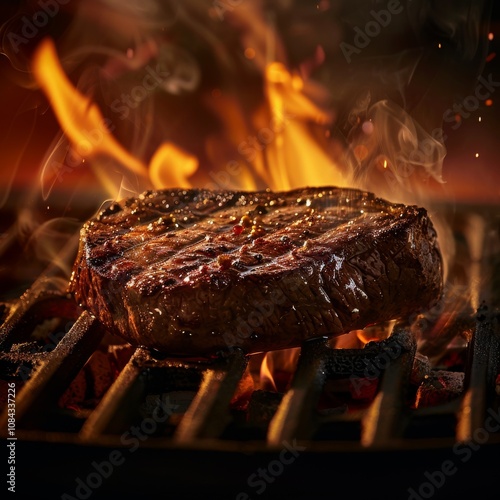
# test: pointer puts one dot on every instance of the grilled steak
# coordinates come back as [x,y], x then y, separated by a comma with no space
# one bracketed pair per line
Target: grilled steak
[194,272]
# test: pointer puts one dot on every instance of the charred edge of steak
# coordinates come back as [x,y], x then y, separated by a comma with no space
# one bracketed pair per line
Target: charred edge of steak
[194,272]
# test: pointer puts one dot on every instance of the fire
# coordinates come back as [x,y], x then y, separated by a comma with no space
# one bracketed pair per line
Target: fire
[276,369]
[294,147]
[81,120]
[91,134]
[171,166]
[285,139]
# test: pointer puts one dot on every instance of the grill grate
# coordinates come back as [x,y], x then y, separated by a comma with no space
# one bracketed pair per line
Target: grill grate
[197,416]
[383,423]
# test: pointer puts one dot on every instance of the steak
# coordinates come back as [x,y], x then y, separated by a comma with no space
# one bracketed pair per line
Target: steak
[195,272]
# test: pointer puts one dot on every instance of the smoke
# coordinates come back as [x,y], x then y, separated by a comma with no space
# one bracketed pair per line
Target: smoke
[406,64]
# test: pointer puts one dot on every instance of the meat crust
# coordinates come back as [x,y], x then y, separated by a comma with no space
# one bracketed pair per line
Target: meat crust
[195,272]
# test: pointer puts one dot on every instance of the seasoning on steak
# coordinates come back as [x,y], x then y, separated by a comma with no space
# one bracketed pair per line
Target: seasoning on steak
[195,272]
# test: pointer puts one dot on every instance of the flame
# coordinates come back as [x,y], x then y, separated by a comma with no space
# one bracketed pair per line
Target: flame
[91,134]
[171,166]
[266,375]
[284,123]
[294,158]
[79,117]
[277,367]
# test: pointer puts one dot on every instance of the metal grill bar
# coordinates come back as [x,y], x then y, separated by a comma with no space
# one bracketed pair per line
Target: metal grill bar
[484,365]
[295,417]
[383,423]
[120,401]
[36,305]
[46,298]
[207,414]
[54,376]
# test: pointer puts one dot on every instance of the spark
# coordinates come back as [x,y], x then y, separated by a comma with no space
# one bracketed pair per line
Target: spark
[249,53]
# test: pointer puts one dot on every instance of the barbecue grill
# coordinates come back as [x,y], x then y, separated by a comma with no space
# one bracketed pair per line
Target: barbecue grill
[170,425]
[414,414]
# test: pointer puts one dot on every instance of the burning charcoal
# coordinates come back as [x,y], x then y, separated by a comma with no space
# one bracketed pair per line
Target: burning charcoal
[99,374]
[262,407]
[421,369]
[120,355]
[74,396]
[454,358]
[94,379]
[353,392]
[439,387]
[362,388]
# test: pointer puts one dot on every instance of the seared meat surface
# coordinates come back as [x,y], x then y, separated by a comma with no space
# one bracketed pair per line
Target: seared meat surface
[195,272]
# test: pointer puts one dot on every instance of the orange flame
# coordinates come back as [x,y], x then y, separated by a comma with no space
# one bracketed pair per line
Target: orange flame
[171,167]
[295,158]
[91,134]
[79,117]
[277,367]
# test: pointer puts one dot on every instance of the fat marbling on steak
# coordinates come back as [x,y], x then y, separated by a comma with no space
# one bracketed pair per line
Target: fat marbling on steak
[193,272]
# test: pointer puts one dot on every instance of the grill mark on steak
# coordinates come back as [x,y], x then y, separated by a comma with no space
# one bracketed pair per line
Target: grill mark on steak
[177,271]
